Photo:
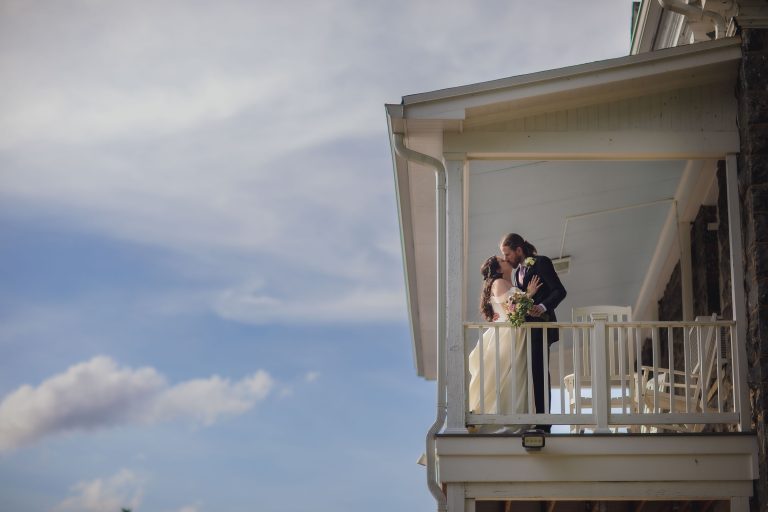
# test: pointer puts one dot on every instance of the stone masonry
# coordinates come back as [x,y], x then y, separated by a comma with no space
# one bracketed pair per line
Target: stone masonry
[752,94]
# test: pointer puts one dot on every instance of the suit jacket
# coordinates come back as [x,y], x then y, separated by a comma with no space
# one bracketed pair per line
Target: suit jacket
[550,294]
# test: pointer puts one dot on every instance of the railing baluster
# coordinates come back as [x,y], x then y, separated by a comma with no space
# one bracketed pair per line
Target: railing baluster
[514,339]
[687,363]
[611,354]
[577,341]
[498,370]
[600,389]
[735,376]
[622,369]
[656,376]
[545,369]
[482,371]
[671,363]
[465,334]
[719,349]
[529,366]
[561,368]
[638,370]
[699,337]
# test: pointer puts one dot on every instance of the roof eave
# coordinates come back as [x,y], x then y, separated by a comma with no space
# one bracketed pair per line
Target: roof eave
[396,124]
[633,65]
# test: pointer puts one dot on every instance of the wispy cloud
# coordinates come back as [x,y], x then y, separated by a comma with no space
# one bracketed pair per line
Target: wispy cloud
[253,305]
[99,394]
[122,490]
[189,508]
[244,133]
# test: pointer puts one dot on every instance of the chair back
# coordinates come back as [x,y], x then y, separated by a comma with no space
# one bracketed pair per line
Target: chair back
[704,343]
[621,353]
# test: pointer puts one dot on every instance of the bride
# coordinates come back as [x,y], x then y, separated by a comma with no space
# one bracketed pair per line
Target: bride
[497,288]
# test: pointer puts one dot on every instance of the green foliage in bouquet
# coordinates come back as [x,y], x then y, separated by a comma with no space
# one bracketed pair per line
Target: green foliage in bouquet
[517,306]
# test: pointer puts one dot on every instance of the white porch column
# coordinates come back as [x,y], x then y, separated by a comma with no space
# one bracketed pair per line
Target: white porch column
[739,504]
[457,500]
[739,345]
[454,290]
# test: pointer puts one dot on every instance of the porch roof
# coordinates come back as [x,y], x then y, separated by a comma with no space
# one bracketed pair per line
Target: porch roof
[526,118]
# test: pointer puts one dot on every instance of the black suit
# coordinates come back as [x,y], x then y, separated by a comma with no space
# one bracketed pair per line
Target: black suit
[550,294]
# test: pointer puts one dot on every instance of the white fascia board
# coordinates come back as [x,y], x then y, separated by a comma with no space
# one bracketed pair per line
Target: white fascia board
[445,103]
[396,124]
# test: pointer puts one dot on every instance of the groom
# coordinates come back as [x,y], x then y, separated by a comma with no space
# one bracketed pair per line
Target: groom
[522,255]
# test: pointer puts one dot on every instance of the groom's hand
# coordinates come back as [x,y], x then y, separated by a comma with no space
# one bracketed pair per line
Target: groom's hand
[536,311]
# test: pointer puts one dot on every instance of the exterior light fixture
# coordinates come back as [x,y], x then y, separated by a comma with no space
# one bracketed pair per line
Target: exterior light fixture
[534,440]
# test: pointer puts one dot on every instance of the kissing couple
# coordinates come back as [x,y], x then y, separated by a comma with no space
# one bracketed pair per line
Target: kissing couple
[519,275]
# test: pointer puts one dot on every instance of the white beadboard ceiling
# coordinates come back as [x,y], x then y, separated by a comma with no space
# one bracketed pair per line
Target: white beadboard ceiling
[610,252]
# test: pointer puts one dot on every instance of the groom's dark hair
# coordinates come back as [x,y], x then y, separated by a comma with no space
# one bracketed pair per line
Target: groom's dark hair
[513,241]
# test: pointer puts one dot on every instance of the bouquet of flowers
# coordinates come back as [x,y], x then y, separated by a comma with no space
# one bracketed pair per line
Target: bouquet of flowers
[517,306]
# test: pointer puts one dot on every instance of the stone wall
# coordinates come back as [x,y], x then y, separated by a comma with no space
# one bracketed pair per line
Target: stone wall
[670,309]
[705,277]
[752,94]
[705,265]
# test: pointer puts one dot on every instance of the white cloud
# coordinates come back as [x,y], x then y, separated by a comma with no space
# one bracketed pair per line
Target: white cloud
[189,508]
[122,490]
[311,377]
[251,304]
[207,399]
[98,394]
[247,133]
[90,115]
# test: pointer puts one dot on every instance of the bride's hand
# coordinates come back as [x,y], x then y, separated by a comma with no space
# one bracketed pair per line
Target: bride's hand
[533,286]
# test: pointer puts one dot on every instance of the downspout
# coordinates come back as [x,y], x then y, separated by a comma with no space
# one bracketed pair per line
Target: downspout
[440,192]
[697,14]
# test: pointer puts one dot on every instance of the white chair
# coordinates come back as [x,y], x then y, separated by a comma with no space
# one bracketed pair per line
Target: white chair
[620,357]
[689,390]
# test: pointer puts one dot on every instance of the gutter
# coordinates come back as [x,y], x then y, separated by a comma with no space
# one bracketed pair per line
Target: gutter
[440,191]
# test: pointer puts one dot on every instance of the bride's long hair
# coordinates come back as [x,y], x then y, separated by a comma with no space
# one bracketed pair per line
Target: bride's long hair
[491,271]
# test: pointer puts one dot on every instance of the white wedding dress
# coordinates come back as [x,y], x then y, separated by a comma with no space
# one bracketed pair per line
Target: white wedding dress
[513,368]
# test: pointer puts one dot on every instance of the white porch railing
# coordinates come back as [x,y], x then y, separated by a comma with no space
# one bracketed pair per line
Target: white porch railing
[686,384]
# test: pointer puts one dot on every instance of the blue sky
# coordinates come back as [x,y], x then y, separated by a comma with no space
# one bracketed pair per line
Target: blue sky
[202,306]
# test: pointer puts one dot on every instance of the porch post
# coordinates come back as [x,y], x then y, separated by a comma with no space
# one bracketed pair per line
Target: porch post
[454,261]
[600,389]
[457,501]
[739,504]
[738,345]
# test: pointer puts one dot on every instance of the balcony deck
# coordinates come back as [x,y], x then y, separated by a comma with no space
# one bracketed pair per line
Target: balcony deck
[651,411]
[659,466]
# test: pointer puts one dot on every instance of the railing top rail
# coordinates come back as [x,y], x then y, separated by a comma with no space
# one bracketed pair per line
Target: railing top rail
[477,325]
[648,324]
[638,324]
